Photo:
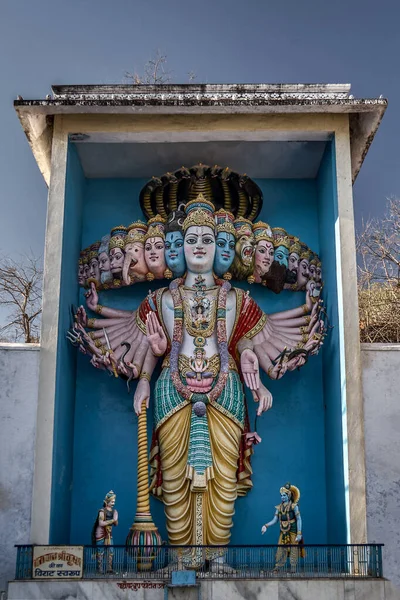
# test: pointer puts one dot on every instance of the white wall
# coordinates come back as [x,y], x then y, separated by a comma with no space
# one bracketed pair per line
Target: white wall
[381,383]
[19,370]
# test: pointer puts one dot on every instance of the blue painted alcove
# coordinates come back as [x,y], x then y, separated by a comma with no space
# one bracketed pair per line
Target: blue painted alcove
[95,427]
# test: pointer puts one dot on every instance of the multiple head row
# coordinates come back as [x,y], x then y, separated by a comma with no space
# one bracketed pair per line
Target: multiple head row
[244,251]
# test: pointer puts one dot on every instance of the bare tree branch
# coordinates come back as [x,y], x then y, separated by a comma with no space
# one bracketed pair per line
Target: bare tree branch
[155,72]
[378,246]
[21,292]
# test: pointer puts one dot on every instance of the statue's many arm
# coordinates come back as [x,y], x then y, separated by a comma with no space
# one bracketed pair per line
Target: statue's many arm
[116,342]
[157,342]
[285,331]
[282,333]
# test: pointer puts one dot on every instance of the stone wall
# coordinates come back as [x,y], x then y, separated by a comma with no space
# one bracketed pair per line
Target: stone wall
[19,370]
[381,390]
[323,589]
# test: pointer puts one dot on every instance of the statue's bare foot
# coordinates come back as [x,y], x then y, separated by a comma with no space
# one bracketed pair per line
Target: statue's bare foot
[221,568]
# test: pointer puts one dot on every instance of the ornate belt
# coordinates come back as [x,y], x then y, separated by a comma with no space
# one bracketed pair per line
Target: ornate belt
[214,364]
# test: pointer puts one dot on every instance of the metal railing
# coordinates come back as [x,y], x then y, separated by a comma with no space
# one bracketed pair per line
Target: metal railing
[228,562]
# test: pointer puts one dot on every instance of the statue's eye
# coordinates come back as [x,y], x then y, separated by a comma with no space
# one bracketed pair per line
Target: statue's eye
[208,240]
[232,245]
[220,243]
[191,240]
[179,244]
[167,245]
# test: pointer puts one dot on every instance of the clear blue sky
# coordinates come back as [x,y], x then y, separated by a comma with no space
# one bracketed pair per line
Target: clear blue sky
[85,41]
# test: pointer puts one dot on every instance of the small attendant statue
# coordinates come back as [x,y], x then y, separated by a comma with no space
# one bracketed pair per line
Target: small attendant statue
[107,518]
[288,515]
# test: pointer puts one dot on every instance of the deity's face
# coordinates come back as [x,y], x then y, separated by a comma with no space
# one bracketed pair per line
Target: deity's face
[104,262]
[154,253]
[86,271]
[81,275]
[245,248]
[264,256]
[282,256]
[303,273]
[312,269]
[174,254]
[135,250]
[318,274]
[116,260]
[199,248]
[293,262]
[285,497]
[111,502]
[94,269]
[224,253]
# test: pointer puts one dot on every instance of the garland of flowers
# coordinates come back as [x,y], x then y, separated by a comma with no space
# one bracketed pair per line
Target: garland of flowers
[177,340]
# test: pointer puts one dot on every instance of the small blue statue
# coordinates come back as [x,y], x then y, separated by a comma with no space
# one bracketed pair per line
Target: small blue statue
[290,524]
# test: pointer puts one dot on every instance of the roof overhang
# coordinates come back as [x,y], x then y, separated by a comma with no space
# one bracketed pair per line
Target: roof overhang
[37,116]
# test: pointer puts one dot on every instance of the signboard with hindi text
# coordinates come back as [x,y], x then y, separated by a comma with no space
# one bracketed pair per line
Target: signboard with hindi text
[57,562]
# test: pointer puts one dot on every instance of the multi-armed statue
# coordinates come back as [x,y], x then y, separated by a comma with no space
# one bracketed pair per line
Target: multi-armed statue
[211,339]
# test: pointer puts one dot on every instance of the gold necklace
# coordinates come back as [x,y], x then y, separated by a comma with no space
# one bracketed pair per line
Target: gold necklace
[201,325]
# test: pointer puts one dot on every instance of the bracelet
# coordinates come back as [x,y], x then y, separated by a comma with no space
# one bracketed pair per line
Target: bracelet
[307,318]
[299,533]
[303,329]
[145,375]
[99,309]
[90,323]
[305,309]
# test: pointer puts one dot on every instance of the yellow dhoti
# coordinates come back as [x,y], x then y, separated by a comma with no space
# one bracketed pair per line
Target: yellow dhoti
[199,517]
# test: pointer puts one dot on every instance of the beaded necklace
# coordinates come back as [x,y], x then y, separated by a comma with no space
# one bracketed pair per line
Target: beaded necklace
[177,339]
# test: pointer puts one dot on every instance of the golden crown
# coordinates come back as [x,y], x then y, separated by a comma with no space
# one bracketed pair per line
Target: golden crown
[136,232]
[84,256]
[295,246]
[94,250]
[262,231]
[156,228]
[224,221]
[243,227]
[281,238]
[305,253]
[117,239]
[200,213]
[116,242]
[315,260]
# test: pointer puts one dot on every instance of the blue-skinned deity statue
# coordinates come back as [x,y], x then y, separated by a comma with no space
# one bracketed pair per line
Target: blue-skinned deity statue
[281,246]
[225,243]
[287,514]
[174,254]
